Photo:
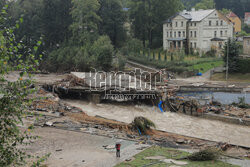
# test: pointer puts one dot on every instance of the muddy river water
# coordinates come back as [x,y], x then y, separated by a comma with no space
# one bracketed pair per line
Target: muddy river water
[170,122]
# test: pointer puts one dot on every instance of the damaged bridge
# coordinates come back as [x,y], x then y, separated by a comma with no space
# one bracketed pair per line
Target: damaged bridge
[100,86]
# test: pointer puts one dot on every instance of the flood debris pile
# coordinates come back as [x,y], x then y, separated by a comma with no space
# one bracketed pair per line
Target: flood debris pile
[214,110]
[142,124]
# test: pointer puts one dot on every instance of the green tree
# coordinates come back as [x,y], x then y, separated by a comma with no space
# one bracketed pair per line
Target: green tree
[13,94]
[42,18]
[86,49]
[231,54]
[225,11]
[31,30]
[205,4]
[147,17]
[55,21]
[239,7]
[246,28]
[85,21]
[103,50]
[113,20]
[188,4]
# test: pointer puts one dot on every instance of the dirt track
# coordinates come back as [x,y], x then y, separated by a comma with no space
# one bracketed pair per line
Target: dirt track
[75,149]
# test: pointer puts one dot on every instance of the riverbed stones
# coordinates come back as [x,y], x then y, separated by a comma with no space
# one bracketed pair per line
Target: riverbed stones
[180,141]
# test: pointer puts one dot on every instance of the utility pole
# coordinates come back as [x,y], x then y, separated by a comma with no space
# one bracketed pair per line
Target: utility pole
[227,59]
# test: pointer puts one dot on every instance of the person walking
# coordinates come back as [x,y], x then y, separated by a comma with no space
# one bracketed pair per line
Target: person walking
[118,149]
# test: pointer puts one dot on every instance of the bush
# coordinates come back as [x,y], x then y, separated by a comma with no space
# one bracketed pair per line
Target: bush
[211,53]
[133,46]
[244,65]
[76,58]
[143,124]
[233,55]
[242,103]
[121,62]
[205,155]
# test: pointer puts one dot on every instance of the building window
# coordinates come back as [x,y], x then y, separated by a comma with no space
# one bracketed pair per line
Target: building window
[191,24]
[170,24]
[167,25]
[195,24]
[184,34]
[226,33]
[195,34]
[217,23]
[167,34]
[210,23]
[179,44]
[191,44]
[221,22]
[221,33]
[215,33]
[176,24]
[179,33]
[182,23]
[195,45]
[175,34]
[191,33]
[170,34]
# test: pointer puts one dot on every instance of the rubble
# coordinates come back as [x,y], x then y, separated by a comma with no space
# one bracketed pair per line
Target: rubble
[48,123]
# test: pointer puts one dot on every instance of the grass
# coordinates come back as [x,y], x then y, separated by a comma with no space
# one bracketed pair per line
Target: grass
[204,67]
[236,77]
[169,153]
[180,64]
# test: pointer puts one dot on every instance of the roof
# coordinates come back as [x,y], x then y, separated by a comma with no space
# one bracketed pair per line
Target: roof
[232,14]
[197,15]
[246,37]
[193,15]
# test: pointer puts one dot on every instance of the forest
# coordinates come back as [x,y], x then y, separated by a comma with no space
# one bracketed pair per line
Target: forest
[79,35]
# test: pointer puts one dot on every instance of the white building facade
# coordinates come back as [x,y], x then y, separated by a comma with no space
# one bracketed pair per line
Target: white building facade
[201,30]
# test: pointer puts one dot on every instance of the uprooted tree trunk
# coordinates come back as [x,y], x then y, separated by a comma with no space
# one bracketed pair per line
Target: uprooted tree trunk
[142,124]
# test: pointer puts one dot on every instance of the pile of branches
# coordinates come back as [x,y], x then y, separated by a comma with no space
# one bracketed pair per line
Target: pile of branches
[142,124]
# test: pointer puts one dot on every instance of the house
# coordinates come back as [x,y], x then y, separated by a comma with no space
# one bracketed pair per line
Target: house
[246,45]
[236,21]
[200,30]
[247,18]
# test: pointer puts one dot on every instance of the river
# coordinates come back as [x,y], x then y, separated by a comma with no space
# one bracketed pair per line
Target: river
[170,122]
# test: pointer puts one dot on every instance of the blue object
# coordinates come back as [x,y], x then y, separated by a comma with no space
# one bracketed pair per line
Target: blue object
[139,131]
[199,74]
[159,105]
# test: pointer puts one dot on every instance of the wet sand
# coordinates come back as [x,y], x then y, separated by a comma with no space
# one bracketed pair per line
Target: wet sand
[171,122]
